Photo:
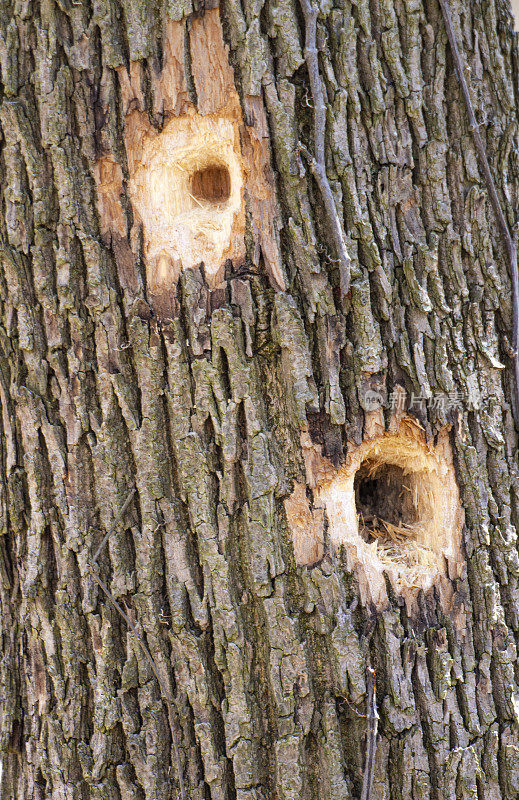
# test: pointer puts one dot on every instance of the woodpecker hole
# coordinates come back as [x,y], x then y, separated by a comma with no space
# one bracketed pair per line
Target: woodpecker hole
[188,191]
[398,505]
[394,508]
[211,184]
[384,500]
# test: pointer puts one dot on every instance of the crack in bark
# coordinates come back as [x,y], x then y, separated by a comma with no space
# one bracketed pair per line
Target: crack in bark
[69,299]
[371,751]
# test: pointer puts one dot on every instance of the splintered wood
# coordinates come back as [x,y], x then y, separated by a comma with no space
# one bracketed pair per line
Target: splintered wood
[394,507]
[192,183]
[306,526]
[183,225]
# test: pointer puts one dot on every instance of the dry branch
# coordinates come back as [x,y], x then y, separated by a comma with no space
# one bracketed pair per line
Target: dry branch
[317,162]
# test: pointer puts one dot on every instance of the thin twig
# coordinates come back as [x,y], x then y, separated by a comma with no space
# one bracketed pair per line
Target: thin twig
[372,715]
[115,523]
[164,689]
[509,240]
[317,163]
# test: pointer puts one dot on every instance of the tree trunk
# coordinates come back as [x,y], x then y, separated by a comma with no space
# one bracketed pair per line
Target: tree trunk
[229,348]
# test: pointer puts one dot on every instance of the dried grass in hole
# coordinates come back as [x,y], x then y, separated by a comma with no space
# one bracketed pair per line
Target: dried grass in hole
[384,502]
[394,508]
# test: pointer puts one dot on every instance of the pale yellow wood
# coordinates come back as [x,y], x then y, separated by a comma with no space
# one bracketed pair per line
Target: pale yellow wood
[414,557]
[184,224]
[515,11]
[189,183]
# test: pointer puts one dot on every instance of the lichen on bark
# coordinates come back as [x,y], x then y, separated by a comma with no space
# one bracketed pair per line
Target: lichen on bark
[216,411]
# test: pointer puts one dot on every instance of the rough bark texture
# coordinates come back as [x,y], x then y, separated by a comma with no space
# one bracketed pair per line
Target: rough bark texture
[203,414]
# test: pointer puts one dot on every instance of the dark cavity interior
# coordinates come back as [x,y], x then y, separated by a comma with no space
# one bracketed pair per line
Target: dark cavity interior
[211,184]
[383,494]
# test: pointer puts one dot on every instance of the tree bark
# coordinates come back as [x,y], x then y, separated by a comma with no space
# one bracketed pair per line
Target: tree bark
[213,663]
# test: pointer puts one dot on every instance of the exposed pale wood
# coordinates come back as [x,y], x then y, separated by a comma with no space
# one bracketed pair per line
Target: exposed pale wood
[212,74]
[179,227]
[432,554]
[217,402]
[306,526]
[180,230]
[515,11]
[171,97]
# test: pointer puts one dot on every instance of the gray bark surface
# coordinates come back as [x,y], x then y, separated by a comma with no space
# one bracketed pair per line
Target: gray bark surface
[266,661]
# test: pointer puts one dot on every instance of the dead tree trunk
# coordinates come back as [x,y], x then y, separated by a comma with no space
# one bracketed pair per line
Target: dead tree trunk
[256,387]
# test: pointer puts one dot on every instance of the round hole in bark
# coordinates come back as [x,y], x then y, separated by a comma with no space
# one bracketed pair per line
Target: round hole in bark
[394,510]
[384,500]
[187,187]
[396,506]
[212,184]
